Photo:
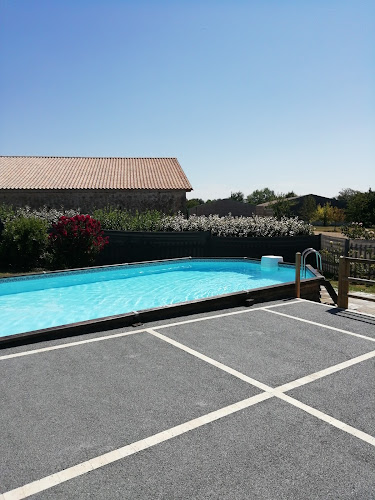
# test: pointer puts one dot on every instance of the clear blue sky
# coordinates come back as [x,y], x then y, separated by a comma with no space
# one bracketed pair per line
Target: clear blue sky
[245,93]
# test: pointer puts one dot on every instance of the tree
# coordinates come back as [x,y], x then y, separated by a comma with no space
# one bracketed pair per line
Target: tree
[337,215]
[361,208]
[194,202]
[289,194]
[324,213]
[308,209]
[347,194]
[261,196]
[282,208]
[237,196]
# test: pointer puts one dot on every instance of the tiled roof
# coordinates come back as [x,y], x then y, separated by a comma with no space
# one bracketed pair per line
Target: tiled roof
[42,172]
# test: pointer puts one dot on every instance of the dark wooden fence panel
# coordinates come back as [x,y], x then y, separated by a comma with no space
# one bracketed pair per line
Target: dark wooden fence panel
[332,248]
[142,246]
[129,246]
[256,247]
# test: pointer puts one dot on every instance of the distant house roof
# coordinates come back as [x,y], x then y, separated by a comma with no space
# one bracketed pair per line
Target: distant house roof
[267,203]
[295,198]
[46,172]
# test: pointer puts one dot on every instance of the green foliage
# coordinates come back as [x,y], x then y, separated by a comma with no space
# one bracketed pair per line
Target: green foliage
[347,194]
[6,212]
[261,196]
[237,196]
[357,231]
[337,215]
[308,209]
[282,208]
[23,243]
[115,219]
[289,194]
[194,202]
[123,220]
[324,213]
[361,208]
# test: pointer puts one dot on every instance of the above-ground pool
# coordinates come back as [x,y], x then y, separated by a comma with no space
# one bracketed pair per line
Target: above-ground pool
[49,300]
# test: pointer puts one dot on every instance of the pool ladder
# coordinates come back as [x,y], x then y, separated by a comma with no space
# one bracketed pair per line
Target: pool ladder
[326,283]
[304,256]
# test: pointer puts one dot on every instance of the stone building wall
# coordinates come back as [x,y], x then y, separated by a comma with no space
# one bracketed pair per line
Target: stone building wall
[169,201]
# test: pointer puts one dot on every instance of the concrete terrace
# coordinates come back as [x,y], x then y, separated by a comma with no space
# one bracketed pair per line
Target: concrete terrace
[272,401]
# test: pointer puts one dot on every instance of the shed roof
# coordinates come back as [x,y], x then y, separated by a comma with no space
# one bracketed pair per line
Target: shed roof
[47,172]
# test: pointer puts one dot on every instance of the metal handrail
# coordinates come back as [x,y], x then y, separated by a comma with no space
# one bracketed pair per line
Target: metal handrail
[304,256]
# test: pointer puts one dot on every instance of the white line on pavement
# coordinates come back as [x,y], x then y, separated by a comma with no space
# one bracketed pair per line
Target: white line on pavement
[125,451]
[340,330]
[269,392]
[277,392]
[327,371]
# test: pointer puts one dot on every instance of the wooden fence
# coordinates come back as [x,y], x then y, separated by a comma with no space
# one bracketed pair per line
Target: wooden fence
[143,246]
[345,278]
[333,248]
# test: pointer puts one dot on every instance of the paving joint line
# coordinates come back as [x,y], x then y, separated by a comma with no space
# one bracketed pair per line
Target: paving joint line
[340,330]
[267,393]
[280,394]
[97,462]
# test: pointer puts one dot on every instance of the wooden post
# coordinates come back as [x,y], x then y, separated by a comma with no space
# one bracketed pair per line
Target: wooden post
[298,275]
[343,300]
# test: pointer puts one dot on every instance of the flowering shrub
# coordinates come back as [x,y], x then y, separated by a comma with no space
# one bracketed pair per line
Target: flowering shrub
[23,243]
[76,241]
[50,215]
[120,220]
[357,231]
[255,226]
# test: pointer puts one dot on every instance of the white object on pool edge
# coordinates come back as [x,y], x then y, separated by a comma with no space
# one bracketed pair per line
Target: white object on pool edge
[271,261]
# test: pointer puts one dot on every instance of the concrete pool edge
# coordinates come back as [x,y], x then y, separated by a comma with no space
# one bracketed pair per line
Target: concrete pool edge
[310,290]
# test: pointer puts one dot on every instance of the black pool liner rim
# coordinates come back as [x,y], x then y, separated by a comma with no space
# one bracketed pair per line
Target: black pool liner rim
[225,301]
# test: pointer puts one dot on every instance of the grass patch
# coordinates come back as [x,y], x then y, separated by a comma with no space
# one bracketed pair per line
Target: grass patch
[328,229]
[356,288]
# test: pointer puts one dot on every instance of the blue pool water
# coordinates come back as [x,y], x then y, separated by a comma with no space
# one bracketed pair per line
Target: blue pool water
[43,301]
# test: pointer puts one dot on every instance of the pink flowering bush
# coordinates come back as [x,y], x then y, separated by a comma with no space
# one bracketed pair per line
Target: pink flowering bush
[76,241]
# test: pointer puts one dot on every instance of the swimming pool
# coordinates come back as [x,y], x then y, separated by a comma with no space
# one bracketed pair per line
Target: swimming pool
[45,301]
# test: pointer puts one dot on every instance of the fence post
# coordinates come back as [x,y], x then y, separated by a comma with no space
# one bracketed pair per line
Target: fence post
[346,247]
[298,275]
[344,266]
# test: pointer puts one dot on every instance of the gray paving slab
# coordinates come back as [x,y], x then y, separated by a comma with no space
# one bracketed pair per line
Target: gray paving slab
[271,450]
[270,348]
[62,407]
[348,395]
[332,316]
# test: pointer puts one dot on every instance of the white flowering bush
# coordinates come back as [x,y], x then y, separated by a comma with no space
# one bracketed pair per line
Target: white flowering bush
[50,215]
[122,220]
[240,227]
[357,231]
